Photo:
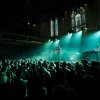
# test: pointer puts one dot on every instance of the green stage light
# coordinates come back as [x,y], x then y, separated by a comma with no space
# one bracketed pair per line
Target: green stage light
[92,41]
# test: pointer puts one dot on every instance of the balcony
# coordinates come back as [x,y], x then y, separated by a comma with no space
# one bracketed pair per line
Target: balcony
[20,39]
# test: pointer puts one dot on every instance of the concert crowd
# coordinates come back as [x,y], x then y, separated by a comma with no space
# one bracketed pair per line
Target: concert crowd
[32,79]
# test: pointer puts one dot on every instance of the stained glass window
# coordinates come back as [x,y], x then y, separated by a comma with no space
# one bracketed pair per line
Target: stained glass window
[78,20]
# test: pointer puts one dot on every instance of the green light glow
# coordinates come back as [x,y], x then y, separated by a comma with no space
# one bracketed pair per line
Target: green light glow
[92,41]
[68,37]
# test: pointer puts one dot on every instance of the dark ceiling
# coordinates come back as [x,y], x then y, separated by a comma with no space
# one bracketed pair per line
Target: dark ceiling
[35,9]
[16,14]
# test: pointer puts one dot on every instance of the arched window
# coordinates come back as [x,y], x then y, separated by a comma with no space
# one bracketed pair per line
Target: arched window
[78,20]
[73,20]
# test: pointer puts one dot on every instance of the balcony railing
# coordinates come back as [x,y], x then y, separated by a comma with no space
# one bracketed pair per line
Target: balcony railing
[17,38]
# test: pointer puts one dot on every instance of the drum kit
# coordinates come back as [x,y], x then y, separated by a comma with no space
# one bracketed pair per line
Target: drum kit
[93,54]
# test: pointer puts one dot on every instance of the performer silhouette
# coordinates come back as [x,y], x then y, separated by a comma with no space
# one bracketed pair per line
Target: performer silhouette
[57,52]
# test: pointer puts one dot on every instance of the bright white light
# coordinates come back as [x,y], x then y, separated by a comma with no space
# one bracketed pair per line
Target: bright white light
[69,36]
[28,23]
[72,57]
[86,28]
[34,25]
[49,40]
[77,53]
[80,32]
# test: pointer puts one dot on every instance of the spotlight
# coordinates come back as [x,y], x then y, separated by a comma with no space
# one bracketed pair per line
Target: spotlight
[86,28]
[55,39]
[49,40]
